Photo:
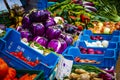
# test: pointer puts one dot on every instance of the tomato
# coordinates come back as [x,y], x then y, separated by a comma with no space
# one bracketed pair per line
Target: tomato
[11,73]
[77,59]
[20,54]
[37,61]
[84,18]
[3,68]
[80,27]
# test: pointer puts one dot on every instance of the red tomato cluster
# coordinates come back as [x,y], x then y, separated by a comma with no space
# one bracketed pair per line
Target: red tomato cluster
[23,58]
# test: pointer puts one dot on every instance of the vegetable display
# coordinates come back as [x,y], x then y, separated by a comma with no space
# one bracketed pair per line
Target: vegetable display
[40,27]
[87,72]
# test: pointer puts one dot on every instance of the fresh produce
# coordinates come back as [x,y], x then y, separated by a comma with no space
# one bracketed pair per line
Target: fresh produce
[41,40]
[37,29]
[58,45]
[88,72]
[3,68]
[73,12]
[78,59]
[103,43]
[26,21]
[90,51]
[26,34]
[49,22]
[20,56]
[53,32]
[38,32]
[39,15]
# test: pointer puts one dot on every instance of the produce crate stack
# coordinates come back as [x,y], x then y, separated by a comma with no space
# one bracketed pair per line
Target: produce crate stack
[83,52]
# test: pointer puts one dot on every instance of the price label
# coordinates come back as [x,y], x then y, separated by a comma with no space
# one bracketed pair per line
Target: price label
[64,68]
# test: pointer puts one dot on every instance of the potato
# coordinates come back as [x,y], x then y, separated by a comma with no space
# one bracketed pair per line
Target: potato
[80,71]
[74,76]
[93,74]
[84,76]
[97,79]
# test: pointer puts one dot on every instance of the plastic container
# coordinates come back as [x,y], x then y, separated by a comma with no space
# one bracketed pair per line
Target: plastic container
[13,43]
[40,74]
[107,60]
[89,32]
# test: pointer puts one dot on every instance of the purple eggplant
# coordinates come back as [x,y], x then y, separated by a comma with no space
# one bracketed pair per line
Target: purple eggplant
[53,32]
[26,34]
[37,29]
[26,22]
[41,40]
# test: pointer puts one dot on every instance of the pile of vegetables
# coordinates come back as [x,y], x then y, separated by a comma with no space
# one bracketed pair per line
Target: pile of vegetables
[9,73]
[76,12]
[87,72]
[41,31]
[27,60]
[105,27]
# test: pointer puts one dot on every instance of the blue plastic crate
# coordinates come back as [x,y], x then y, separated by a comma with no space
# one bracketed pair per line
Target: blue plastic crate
[107,60]
[2,42]
[13,43]
[112,45]
[89,32]
[110,38]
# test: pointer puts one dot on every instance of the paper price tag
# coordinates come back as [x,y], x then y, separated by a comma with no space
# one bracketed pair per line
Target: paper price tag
[64,68]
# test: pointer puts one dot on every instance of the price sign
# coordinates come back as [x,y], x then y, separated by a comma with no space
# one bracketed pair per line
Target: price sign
[64,68]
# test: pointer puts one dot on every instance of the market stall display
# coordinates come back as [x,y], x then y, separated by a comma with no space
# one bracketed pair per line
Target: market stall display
[81,37]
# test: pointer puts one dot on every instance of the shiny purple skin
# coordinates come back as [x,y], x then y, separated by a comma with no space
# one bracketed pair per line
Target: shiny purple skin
[41,40]
[63,46]
[19,28]
[53,33]
[37,29]
[68,39]
[57,45]
[49,22]
[26,22]
[62,35]
[54,44]
[39,15]
[26,34]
